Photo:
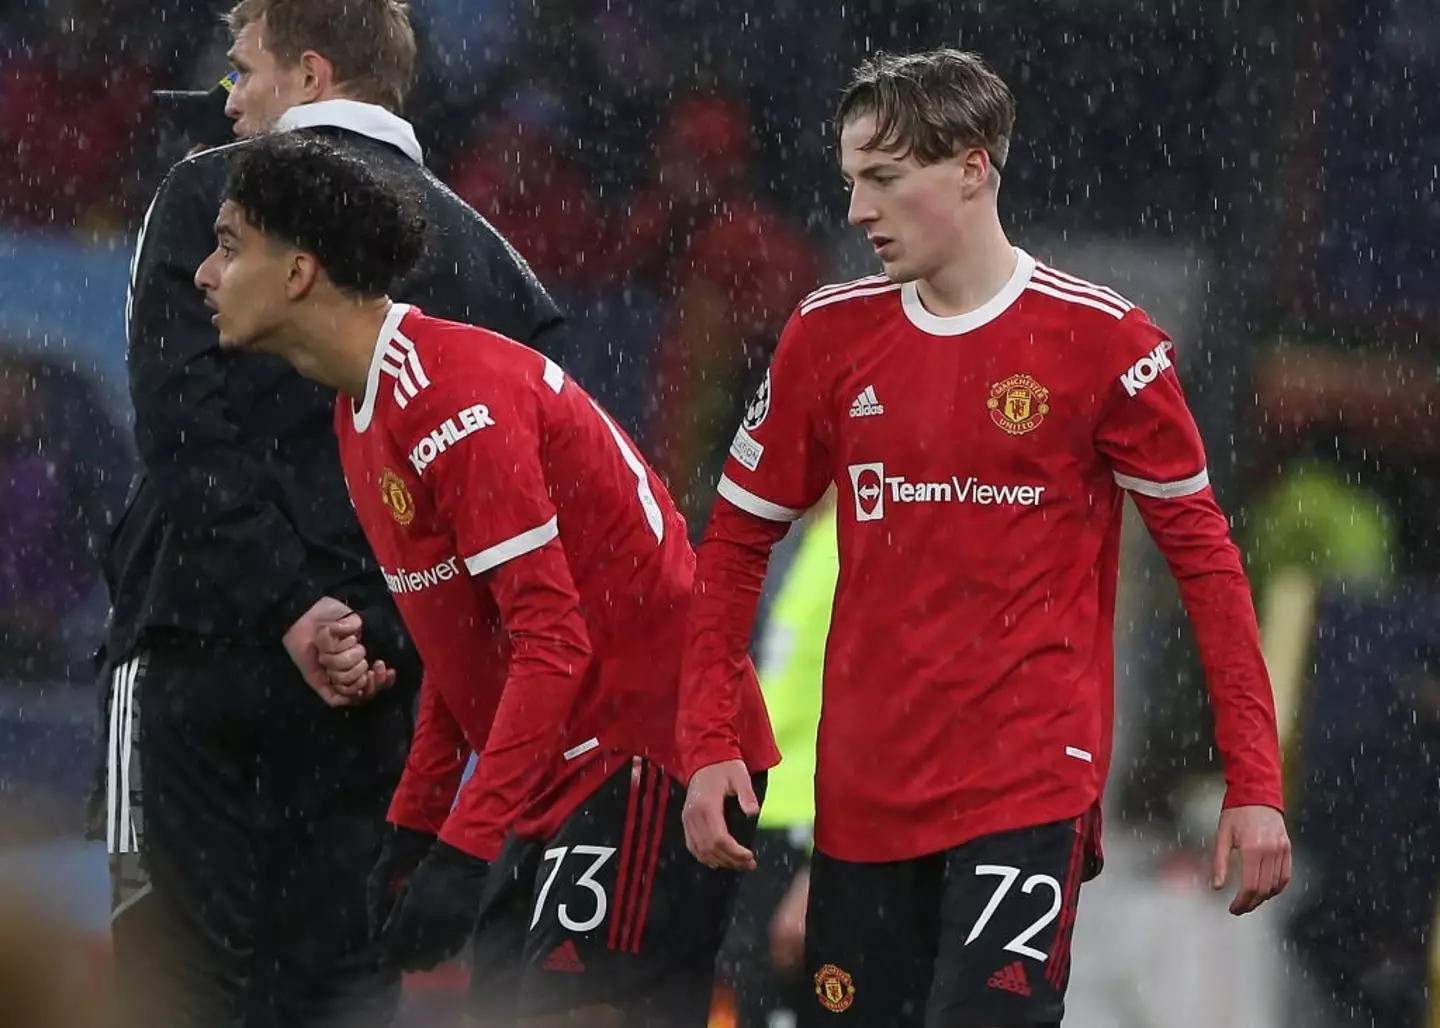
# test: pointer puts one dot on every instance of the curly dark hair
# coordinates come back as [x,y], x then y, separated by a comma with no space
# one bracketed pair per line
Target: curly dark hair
[298,187]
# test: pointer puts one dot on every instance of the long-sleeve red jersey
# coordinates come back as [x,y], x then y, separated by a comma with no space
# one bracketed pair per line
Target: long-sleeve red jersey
[981,463]
[541,569]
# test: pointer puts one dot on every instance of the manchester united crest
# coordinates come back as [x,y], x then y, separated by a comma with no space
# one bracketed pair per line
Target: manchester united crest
[396,497]
[834,988]
[1018,404]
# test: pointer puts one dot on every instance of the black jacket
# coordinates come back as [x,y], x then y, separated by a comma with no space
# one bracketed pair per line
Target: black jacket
[239,518]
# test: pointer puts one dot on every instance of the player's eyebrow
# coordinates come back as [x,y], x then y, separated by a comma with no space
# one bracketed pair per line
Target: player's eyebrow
[224,231]
[235,60]
[870,171]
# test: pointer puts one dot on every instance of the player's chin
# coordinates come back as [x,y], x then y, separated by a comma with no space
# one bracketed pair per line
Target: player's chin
[229,339]
[897,270]
[247,126]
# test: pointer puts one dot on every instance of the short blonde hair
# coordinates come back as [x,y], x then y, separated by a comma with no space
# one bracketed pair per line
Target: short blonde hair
[370,43]
[931,105]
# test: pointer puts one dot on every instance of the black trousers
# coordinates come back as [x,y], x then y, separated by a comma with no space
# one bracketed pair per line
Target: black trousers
[242,817]
[763,995]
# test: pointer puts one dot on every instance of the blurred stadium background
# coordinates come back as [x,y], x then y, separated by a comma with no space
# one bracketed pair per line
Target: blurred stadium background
[1261,176]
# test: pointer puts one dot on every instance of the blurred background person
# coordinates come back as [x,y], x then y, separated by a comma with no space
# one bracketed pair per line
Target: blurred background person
[62,467]
[728,265]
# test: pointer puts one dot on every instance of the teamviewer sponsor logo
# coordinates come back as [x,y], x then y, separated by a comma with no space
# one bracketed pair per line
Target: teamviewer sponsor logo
[1146,369]
[964,490]
[873,488]
[468,421]
[868,481]
[403,581]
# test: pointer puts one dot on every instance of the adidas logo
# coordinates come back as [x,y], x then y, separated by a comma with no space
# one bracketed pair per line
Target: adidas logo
[1011,979]
[866,405]
[564,957]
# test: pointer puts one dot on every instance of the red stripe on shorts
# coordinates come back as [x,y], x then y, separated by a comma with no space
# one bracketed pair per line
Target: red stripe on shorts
[627,851]
[663,786]
[631,899]
[1059,963]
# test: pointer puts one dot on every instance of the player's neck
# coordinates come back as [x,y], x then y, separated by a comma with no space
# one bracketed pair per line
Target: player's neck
[973,277]
[340,340]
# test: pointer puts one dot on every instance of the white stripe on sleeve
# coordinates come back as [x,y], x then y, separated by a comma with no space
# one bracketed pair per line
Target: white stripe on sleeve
[1060,294]
[752,504]
[1165,490]
[518,546]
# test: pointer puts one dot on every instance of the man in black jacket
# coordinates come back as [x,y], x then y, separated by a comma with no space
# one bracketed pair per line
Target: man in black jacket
[239,868]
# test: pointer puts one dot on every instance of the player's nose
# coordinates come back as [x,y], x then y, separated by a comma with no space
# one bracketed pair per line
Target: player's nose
[861,210]
[203,278]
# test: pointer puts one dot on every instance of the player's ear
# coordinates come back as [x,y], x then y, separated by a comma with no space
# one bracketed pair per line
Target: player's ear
[304,272]
[317,75]
[974,171]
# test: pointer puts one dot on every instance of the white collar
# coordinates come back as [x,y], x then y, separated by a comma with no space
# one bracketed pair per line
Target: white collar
[970,320]
[367,119]
[388,330]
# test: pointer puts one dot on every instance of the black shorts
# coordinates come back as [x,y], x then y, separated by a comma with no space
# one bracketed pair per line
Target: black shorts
[975,937]
[611,911]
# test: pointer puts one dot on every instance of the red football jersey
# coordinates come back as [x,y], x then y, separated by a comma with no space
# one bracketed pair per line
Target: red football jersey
[542,570]
[981,463]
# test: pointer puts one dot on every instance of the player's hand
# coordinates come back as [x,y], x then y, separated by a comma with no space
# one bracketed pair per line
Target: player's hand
[402,852]
[706,834]
[787,927]
[436,910]
[300,643]
[342,655]
[1259,834]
